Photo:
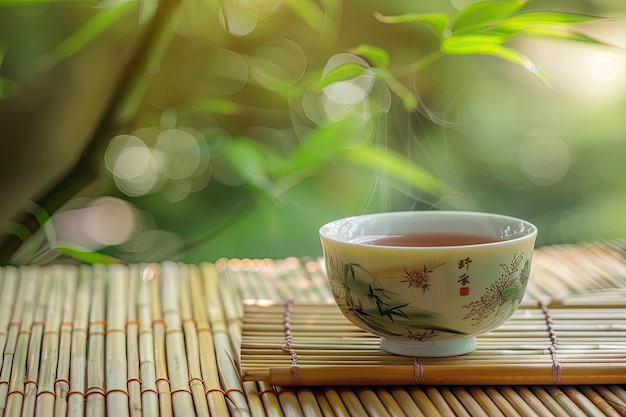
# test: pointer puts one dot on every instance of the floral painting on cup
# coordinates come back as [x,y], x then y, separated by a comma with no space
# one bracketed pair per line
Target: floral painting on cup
[400,312]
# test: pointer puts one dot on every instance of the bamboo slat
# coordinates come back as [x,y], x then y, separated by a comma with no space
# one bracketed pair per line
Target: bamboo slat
[17,382]
[68,278]
[115,343]
[132,346]
[147,367]
[172,339]
[78,364]
[95,393]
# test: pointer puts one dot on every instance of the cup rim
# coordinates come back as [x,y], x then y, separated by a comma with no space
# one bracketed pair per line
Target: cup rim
[324,230]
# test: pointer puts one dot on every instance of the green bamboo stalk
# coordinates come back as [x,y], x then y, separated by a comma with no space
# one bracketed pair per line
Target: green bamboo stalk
[62,384]
[116,378]
[80,328]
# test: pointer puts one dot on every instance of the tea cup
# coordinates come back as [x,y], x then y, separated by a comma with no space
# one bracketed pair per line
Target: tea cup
[428,282]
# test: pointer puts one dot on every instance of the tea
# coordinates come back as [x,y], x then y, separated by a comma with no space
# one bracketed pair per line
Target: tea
[432,239]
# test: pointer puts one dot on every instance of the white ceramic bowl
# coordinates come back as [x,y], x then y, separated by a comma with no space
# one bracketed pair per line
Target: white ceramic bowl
[428,300]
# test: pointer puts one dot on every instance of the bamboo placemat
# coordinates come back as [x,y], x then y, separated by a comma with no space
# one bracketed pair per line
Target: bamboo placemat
[293,343]
[165,340]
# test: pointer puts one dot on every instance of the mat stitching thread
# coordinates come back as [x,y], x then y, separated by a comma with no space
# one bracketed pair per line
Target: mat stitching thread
[554,342]
[114,390]
[45,391]
[95,390]
[147,390]
[289,340]
[196,379]
[61,381]
[212,390]
[30,381]
[162,379]
[418,372]
[228,391]
[180,390]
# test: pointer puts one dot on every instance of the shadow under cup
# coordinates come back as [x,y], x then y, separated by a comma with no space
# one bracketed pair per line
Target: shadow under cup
[428,282]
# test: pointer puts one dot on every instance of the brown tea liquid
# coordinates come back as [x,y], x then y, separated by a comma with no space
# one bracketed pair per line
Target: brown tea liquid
[432,239]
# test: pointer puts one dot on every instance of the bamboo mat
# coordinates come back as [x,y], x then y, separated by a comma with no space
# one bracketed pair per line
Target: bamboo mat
[579,346]
[166,339]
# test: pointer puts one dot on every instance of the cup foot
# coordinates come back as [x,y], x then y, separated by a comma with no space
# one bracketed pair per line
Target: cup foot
[441,348]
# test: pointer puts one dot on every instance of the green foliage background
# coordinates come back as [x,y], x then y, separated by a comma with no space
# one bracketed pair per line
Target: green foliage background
[457,98]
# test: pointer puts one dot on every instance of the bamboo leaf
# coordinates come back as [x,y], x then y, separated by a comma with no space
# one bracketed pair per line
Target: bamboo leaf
[377,57]
[320,145]
[553,25]
[523,20]
[247,160]
[557,33]
[272,78]
[17,229]
[471,44]
[491,45]
[86,33]
[87,256]
[479,14]
[343,72]
[211,105]
[509,293]
[437,21]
